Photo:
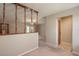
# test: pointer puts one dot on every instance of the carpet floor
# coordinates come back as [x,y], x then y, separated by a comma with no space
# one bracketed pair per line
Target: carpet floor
[45,50]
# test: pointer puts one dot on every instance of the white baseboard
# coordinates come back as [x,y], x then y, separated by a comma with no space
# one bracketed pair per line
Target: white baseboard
[27,52]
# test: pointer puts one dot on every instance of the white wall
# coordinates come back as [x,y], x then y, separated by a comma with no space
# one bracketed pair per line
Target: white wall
[51,31]
[41,21]
[51,27]
[42,28]
[17,44]
[42,31]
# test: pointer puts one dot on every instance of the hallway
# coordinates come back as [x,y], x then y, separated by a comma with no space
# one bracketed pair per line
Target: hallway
[45,50]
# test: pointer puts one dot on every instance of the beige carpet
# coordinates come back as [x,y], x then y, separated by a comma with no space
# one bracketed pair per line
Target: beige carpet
[44,50]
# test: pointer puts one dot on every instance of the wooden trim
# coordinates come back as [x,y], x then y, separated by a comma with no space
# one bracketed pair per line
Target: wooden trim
[59,33]
[15,18]
[37,18]
[24,20]
[20,5]
[31,19]
[65,16]
[31,16]
[3,12]
[15,34]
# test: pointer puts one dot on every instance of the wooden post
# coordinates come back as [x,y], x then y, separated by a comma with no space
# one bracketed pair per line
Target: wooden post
[15,18]
[24,20]
[37,17]
[3,12]
[31,19]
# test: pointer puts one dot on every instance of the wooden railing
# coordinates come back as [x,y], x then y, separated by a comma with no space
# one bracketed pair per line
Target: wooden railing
[24,20]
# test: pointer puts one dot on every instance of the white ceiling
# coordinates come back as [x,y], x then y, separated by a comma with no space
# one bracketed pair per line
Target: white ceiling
[46,9]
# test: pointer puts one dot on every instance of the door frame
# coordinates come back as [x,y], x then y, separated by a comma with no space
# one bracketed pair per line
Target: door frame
[59,33]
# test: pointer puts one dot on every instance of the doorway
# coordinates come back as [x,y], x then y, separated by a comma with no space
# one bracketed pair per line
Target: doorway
[65,33]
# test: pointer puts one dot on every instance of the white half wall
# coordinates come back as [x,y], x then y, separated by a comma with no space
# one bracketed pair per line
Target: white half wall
[51,27]
[18,44]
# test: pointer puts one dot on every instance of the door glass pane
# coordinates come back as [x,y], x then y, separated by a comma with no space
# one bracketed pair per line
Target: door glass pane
[20,19]
[34,21]
[34,16]
[28,20]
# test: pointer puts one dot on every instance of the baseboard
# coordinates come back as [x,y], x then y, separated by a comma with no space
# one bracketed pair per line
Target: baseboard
[75,52]
[27,52]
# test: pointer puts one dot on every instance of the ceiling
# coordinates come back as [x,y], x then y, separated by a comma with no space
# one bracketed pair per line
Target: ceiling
[46,9]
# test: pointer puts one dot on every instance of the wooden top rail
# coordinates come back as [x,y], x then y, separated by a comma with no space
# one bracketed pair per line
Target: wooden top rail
[25,7]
